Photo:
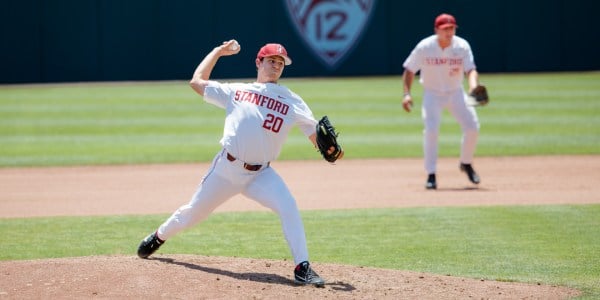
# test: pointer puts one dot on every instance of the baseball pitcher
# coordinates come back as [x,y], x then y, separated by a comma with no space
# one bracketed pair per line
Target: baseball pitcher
[258,118]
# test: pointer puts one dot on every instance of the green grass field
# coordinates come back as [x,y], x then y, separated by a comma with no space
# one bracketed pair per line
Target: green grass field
[164,122]
[167,122]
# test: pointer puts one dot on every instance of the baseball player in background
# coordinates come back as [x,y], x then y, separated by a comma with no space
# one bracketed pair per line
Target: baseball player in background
[443,59]
[259,116]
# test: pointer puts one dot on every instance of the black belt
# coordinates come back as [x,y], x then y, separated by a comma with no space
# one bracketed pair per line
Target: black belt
[246,166]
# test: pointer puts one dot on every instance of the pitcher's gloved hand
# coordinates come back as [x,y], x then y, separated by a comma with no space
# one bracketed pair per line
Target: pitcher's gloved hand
[327,142]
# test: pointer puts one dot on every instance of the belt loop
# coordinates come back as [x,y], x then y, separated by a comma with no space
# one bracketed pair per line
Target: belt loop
[230,157]
[246,166]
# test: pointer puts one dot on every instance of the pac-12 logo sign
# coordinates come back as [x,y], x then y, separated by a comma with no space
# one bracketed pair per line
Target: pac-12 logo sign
[331,28]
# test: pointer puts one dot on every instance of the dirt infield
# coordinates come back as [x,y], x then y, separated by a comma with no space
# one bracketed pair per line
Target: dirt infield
[200,277]
[151,189]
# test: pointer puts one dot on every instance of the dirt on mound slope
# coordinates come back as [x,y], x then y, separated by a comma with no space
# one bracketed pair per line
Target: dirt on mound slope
[201,277]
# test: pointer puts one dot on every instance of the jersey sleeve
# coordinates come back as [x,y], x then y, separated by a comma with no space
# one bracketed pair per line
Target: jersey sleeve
[469,60]
[217,94]
[413,61]
[305,118]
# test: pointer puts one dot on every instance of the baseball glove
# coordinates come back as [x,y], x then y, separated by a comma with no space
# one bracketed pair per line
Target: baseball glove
[478,96]
[327,140]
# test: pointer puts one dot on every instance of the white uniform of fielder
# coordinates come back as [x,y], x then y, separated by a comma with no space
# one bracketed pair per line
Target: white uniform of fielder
[443,59]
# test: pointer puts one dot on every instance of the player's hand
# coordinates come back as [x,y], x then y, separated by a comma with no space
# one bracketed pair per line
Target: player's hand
[230,47]
[407,103]
[332,149]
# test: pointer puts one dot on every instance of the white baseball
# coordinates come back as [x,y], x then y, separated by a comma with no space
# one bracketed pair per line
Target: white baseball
[234,46]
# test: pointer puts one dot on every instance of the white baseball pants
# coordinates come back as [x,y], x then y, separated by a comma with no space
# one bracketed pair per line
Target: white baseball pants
[227,178]
[454,102]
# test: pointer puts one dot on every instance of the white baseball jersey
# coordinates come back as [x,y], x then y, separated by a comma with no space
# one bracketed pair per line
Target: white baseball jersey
[258,118]
[442,71]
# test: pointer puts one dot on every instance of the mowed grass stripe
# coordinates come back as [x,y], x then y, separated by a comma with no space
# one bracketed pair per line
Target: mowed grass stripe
[167,122]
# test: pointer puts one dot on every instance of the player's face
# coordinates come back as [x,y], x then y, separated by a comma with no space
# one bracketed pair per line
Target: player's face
[270,68]
[445,35]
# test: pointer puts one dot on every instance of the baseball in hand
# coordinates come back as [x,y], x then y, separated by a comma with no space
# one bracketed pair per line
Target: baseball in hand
[234,46]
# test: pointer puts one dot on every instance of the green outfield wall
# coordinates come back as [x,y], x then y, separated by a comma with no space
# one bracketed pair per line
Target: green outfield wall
[115,40]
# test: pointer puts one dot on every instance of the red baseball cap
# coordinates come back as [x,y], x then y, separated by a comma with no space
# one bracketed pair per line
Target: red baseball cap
[274,50]
[444,21]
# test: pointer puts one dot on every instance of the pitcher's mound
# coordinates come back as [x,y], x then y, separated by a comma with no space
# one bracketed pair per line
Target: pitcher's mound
[202,277]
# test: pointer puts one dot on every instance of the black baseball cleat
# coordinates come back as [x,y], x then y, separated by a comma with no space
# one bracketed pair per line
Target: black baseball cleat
[149,245]
[473,177]
[304,274]
[431,184]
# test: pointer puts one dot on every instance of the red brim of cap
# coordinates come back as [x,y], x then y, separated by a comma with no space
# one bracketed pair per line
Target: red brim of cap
[287,61]
[447,25]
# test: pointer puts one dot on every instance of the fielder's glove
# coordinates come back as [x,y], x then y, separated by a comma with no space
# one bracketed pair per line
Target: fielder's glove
[478,96]
[327,140]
